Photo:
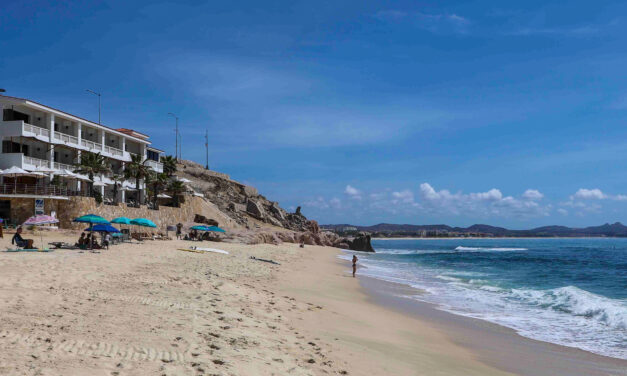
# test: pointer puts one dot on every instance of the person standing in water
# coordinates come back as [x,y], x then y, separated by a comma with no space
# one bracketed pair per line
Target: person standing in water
[354,265]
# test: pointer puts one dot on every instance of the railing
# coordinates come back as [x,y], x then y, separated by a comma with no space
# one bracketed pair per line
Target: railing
[35,161]
[40,190]
[113,151]
[63,166]
[91,145]
[66,138]
[157,166]
[38,131]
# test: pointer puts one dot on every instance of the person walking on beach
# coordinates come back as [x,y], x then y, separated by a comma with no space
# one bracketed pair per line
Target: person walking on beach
[179,230]
[354,265]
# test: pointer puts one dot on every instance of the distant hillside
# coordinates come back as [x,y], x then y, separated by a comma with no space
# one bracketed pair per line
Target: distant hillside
[406,230]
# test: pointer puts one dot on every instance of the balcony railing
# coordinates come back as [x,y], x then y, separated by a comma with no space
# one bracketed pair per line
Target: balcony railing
[63,166]
[68,139]
[35,161]
[40,190]
[38,131]
[91,145]
[113,151]
[157,166]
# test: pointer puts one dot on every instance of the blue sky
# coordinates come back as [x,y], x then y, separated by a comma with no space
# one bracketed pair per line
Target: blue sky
[462,112]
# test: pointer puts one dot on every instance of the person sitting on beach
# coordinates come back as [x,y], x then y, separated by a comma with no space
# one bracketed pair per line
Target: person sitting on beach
[20,241]
[81,240]
[354,265]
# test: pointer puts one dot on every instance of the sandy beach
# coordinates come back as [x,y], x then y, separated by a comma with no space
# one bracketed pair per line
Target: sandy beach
[150,309]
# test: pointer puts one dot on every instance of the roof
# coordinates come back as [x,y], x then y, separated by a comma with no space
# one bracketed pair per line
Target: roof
[155,149]
[77,117]
[133,133]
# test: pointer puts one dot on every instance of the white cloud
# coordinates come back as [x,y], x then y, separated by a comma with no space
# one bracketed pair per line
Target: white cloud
[562,211]
[437,23]
[490,203]
[353,192]
[589,194]
[405,196]
[532,194]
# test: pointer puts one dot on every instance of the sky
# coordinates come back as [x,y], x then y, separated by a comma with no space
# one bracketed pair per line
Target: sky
[459,112]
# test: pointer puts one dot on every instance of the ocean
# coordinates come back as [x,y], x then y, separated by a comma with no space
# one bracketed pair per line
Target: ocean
[571,292]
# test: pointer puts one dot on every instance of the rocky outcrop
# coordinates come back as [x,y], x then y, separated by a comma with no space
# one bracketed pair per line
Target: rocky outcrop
[208,221]
[242,202]
[361,242]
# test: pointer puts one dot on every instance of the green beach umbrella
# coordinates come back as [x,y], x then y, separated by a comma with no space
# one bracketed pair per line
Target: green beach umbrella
[215,229]
[121,220]
[91,219]
[200,228]
[143,222]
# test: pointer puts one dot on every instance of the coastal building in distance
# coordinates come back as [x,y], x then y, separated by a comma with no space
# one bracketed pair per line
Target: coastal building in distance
[39,138]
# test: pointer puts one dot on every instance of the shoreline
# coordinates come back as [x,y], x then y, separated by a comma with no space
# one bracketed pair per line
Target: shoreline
[493,344]
[507,238]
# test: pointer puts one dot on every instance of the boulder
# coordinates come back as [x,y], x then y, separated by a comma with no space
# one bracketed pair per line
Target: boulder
[208,221]
[361,243]
[254,209]
[250,191]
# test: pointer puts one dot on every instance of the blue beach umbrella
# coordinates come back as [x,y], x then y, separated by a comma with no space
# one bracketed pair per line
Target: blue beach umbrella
[91,219]
[103,228]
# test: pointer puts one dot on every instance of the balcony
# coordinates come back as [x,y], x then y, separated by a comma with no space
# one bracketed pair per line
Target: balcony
[63,166]
[40,190]
[66,138]
[37,131]
[91,146]
[113,151]
[157,166]
[32,162]
[18,128]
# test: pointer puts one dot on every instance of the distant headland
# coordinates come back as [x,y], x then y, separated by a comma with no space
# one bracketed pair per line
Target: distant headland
[388,230]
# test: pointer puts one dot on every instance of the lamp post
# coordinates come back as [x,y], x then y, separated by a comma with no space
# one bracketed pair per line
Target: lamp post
[206,149]
[2,91]
[176,136]
[98,94]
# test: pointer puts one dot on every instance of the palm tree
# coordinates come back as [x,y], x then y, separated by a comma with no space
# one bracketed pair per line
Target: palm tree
[137,169]
[117,179]
[92,164]
[169,165]
[176,188]
[157,182]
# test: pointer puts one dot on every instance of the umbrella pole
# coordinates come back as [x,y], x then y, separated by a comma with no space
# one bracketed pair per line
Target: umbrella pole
[91,238]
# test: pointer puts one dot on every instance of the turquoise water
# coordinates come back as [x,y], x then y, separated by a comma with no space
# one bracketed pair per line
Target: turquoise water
[571,292]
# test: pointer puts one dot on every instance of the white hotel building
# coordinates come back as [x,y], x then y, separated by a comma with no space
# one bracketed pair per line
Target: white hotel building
[34,135]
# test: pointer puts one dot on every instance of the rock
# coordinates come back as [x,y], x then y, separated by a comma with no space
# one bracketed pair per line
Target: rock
[208,221]
[250,191]
[254,209]
[298,211]
[361,243]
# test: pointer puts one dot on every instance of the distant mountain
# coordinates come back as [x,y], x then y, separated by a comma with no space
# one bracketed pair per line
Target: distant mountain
[406,230]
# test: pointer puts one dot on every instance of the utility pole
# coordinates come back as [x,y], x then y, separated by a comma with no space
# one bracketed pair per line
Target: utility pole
[206,149]
[176,136]
[98,94]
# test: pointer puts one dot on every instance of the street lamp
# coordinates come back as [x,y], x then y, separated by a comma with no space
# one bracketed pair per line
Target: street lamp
[2,91]
[98,94]
[176,136]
